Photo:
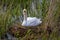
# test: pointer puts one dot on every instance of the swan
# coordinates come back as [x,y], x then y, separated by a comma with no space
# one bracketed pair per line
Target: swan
[30,21]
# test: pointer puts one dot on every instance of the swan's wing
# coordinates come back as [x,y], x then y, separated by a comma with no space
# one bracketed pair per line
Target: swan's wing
[33,21]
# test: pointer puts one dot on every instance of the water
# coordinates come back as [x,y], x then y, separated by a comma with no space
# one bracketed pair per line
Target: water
[8,36]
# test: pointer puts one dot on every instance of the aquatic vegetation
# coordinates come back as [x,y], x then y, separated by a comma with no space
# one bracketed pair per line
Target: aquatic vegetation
[11,10]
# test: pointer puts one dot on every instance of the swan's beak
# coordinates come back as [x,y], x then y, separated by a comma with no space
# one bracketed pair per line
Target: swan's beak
[24,12]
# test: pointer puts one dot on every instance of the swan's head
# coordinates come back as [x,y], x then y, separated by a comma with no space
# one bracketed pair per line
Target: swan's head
[24,11]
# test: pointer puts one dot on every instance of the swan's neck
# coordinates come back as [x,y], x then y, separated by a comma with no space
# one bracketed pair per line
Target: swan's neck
[25,17]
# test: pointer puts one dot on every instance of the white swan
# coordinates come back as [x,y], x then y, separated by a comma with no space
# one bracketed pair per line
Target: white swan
[30,21]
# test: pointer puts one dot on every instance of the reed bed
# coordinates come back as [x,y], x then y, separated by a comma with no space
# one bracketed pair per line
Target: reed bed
[11,10]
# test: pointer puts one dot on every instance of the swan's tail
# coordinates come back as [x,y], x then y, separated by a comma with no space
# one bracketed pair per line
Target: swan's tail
[40,20]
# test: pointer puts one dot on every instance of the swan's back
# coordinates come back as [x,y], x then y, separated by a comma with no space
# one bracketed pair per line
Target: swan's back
[31,18]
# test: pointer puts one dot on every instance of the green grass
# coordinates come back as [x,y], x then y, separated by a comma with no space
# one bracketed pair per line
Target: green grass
[14,10]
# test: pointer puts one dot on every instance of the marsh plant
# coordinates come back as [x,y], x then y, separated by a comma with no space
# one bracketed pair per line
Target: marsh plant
[11,10]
